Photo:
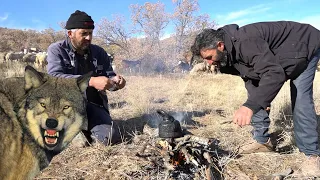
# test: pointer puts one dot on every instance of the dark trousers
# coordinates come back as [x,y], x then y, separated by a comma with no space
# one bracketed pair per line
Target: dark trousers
[304,115]
[101,126]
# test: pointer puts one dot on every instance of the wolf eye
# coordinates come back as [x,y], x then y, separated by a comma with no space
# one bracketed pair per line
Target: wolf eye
[43,105]
[66,107]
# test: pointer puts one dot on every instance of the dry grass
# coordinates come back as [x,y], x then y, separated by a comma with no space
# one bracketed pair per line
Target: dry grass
[11,69]
[211,100]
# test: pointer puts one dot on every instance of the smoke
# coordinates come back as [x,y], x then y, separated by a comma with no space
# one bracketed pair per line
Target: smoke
[185,118]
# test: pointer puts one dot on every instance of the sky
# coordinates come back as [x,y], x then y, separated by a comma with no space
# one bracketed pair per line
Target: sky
[39,15]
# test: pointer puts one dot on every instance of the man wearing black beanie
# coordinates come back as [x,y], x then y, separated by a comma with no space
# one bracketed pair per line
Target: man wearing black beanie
[76,56]
[80,20]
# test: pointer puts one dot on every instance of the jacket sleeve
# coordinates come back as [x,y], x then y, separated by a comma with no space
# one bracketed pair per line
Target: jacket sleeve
[56,66]
[106,61]
[272,76]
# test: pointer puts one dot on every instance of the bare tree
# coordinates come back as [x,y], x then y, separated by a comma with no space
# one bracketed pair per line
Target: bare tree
[31,38]
[50,36]
[151,20]
[183,19]
[62,24]
[114,32]
[203,21]
[187,23]
[17,40]
[5,38]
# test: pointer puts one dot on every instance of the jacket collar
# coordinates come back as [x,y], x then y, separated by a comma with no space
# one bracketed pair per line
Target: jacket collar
[71,47]
[229,40]
[67,45]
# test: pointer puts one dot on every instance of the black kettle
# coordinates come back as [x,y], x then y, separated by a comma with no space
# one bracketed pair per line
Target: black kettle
[169,127]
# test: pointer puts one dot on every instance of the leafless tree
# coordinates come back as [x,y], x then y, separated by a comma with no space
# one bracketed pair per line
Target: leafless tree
[50,36]
[114,32]
[13,39]
[183,19]
[62,24]
[151,20]
[187,23]
[17,39]
[203,21]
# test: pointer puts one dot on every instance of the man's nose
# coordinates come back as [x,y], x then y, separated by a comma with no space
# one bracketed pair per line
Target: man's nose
[88,37]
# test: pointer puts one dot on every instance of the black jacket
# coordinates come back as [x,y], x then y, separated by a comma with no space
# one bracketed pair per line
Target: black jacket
[267,54]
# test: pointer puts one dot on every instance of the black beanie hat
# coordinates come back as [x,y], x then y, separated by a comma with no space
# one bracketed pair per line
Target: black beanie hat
[79,20]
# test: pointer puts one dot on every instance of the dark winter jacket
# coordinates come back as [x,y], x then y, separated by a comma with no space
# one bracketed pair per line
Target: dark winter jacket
[63,61]
[267,54]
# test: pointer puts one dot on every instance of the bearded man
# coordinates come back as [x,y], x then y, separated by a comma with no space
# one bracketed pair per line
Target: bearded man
[76,56]
[265,55]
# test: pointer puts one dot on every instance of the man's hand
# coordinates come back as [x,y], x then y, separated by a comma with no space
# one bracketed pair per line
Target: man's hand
[122,82]
[243,116]
[119,81]
[101,83]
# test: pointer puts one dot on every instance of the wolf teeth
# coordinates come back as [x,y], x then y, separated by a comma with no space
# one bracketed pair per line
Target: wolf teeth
[55,135]
[54,142]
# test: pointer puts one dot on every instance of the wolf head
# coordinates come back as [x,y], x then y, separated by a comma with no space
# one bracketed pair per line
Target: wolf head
[53,110]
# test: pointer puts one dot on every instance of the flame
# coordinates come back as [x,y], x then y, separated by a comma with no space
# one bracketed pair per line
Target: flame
[178,159]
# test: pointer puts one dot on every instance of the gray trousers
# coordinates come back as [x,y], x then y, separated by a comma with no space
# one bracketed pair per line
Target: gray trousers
[304,116]
[101,125]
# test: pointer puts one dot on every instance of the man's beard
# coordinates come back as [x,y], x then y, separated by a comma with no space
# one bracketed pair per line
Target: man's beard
[222,58]
[79,46]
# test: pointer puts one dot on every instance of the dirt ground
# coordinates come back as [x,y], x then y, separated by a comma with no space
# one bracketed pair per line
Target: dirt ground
[204,106]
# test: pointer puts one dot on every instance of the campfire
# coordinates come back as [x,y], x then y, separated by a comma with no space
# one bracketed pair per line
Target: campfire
[182,156]
[189,157]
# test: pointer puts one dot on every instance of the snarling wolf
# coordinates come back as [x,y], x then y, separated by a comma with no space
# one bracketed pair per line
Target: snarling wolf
[39,116]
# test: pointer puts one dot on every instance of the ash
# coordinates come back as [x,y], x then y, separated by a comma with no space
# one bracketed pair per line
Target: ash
[188,157]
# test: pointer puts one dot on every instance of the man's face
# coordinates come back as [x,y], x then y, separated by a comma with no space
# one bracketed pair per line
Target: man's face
[214,56]
[81,38]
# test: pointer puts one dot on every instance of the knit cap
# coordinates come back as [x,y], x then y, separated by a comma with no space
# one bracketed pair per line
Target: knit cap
[79,20]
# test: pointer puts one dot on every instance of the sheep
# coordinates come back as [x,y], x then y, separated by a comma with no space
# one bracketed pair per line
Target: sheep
[30,58]
[200,65]
[2,57]
[131,66]
[181,67]
[11,56]
[203,67]
[41,60]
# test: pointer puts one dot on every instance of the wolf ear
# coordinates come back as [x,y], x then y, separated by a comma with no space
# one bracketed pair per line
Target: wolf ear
[33,78]
[83,81]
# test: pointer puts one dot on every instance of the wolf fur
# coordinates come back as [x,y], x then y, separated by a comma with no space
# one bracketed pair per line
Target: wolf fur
[39,116]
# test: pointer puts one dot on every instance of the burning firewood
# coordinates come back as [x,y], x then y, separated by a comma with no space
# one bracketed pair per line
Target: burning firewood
[182,156]
[189,155]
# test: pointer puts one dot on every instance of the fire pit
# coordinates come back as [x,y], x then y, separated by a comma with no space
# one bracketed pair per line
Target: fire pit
[182,156]
[189,157]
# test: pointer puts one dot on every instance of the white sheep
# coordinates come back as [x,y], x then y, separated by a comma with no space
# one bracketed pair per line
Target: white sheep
[203,67]
[41,60]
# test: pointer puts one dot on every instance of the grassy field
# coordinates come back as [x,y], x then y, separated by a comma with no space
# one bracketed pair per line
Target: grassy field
[206,101]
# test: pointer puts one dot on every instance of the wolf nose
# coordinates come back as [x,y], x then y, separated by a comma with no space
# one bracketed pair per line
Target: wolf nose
[51,123]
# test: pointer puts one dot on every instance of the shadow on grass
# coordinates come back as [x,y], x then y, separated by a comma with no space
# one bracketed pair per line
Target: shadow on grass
[135,125]
[285,130]
[118,105]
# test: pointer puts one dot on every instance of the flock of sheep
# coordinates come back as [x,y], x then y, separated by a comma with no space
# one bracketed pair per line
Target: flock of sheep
[196,66]
[39,59]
